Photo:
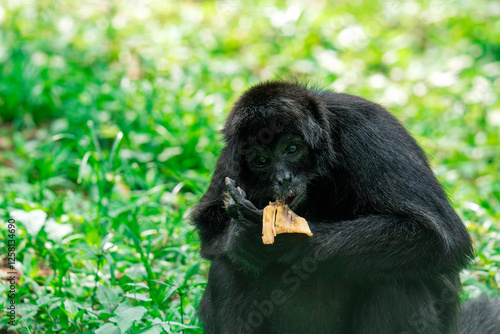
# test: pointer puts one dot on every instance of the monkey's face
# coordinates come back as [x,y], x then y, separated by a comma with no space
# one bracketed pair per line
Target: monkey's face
[279,171]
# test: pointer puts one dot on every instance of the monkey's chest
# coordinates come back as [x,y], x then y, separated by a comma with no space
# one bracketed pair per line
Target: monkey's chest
[294,303]
[282,300]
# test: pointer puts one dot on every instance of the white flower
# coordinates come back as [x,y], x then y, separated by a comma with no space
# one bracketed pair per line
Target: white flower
[32,221]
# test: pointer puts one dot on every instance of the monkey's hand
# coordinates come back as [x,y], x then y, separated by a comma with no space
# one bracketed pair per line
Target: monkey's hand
[240,208]
[244,242]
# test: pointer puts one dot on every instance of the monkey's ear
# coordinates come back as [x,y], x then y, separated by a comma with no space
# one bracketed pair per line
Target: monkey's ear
[326,161]
[322,139]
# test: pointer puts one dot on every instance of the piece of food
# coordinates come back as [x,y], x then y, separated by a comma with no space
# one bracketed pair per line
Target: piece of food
[278,218]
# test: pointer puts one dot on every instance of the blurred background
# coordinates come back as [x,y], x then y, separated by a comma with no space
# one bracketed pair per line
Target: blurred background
[109,112]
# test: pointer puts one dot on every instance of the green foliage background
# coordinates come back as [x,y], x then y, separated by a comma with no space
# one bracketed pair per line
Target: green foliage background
[109,112]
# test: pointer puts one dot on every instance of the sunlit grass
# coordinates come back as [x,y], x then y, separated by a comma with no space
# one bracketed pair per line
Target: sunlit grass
[109,117]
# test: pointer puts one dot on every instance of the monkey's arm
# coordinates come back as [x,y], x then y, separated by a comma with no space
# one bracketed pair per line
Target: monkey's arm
[380,245]
[232,230]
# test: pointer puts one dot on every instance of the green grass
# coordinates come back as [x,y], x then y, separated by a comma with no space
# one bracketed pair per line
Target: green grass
[109,115]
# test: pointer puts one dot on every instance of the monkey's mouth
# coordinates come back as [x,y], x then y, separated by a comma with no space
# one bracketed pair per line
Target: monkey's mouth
[291,200]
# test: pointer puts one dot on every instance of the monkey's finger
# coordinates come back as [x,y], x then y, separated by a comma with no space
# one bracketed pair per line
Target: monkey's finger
[242,192]
[244,204]
[230,201]
[251,214]
[228,181]
[239,197]
[234,192]
[249,205]
[230,184]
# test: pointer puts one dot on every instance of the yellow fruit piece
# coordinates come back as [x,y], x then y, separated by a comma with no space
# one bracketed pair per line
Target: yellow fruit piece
[278,218]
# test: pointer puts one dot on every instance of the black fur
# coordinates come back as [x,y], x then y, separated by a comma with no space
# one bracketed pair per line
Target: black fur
[387,247]
[480,316]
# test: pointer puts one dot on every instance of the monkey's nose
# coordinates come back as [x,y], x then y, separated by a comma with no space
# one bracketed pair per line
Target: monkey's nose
[284,179]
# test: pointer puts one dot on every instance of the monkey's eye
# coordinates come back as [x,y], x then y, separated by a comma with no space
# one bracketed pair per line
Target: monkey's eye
[291,150]
[260,161]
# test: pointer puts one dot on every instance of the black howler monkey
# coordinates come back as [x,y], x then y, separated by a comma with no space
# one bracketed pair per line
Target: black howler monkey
[387,247]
